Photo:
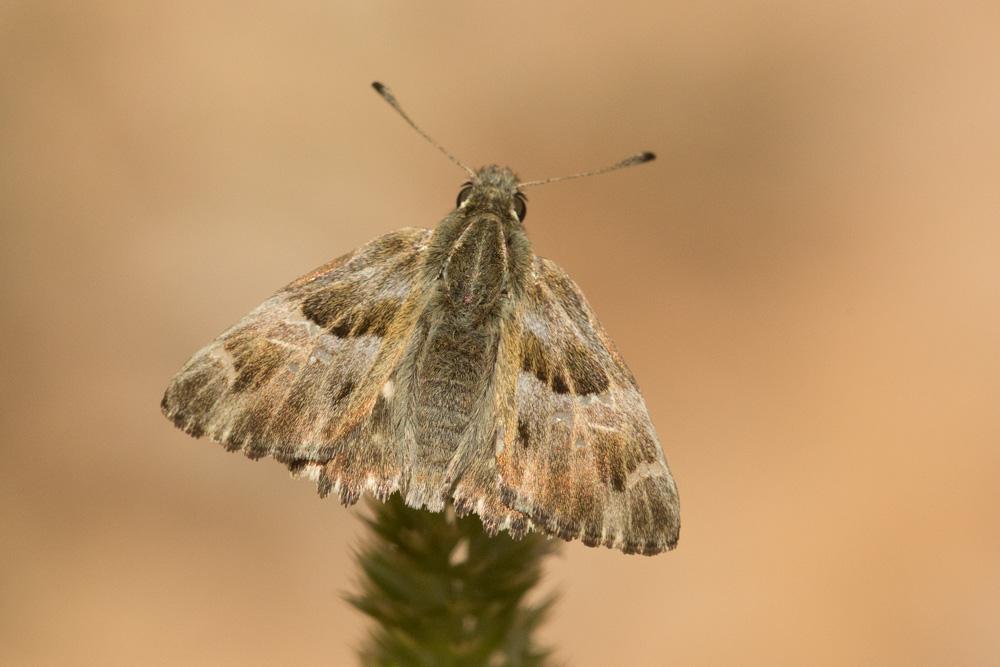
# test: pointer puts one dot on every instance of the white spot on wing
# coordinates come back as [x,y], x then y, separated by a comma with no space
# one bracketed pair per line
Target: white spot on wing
[285,344]
[388,390]
[642,471]
[562,415]
[310,471]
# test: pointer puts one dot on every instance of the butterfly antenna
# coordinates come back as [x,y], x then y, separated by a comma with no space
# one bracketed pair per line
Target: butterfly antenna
[631,160]
[387,95]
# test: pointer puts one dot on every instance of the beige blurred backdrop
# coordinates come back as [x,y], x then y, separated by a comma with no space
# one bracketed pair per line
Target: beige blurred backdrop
[806,285]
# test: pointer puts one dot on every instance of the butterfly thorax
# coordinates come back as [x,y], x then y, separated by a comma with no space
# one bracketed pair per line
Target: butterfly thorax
[480,255]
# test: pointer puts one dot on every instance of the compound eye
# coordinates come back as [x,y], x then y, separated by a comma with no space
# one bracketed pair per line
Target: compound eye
[520,206]
[463,194]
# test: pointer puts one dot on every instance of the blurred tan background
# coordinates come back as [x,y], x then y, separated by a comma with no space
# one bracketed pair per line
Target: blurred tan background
[806,284]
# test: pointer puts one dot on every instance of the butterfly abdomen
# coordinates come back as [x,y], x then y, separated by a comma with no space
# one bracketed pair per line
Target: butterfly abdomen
[447,385]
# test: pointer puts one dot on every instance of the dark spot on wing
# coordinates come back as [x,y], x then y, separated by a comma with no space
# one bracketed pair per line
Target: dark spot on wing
[571,369]
[560,307]
[584,369]
[616,456]
[607,456]
[255,359]
[662,509]
[375,319]
[523,435]
[380,415]
[535,358]
[342,329]
[338,309]
[249,431]
[326,306]
[343,391]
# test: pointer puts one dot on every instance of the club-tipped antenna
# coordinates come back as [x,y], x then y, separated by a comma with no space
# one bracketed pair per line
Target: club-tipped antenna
[387,95]
[630,161]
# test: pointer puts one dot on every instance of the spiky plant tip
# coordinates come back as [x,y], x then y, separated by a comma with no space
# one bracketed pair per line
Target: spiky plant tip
[441,592]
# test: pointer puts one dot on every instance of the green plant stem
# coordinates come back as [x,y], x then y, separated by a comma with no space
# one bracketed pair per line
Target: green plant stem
[443,593]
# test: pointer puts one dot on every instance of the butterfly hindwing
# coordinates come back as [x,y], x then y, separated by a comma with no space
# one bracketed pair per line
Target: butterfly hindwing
[576,451]
[299,378]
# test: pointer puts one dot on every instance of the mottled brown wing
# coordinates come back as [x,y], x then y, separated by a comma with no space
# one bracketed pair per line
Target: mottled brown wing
[576,450]
[299,378]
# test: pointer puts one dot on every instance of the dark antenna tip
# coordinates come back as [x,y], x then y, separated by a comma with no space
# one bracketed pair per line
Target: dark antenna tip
[387,95]
[630,161]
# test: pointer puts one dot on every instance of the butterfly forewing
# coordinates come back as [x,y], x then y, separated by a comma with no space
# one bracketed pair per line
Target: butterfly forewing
[298,378]
[577,451]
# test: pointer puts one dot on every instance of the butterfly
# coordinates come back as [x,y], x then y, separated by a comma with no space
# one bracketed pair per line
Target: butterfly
[450,366]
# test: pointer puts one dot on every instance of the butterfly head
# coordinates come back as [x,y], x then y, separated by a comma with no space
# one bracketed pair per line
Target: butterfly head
[493,188]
